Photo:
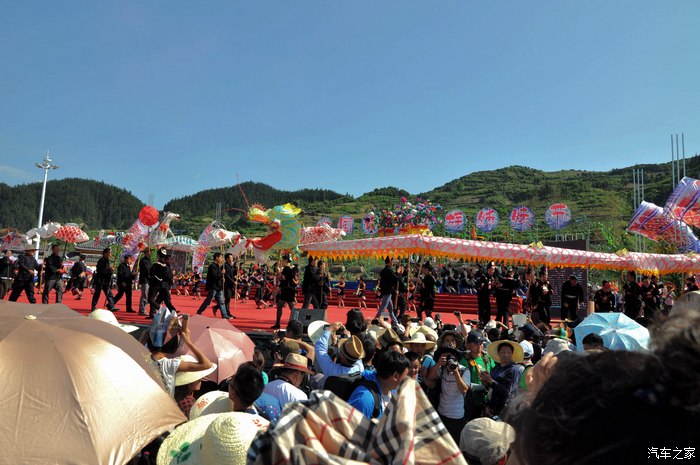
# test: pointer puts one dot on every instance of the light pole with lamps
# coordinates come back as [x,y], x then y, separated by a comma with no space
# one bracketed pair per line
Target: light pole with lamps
[45,165]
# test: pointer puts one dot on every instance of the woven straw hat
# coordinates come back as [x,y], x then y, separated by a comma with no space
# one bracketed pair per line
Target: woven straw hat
[428,331]
[486,441]
[352,348]
[211,402]
[295,362]
[186,377]
[419,338]
[212,440]
[108,317]
[517,350]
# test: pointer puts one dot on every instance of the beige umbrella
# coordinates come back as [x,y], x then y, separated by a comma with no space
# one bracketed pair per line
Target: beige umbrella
[222,343]
[75,390]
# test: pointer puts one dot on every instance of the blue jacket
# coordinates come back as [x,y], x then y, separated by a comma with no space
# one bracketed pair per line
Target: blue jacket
[362,398]
[326,364]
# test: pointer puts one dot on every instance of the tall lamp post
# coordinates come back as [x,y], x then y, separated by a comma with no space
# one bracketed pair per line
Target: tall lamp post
[45,165]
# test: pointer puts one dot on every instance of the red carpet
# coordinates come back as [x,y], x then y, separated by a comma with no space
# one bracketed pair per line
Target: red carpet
[250,319]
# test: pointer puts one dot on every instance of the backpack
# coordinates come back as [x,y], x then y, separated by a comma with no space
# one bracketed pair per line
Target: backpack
[344,385]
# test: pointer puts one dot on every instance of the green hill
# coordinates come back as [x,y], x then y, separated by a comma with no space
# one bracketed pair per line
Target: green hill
[92,204]
[601,202]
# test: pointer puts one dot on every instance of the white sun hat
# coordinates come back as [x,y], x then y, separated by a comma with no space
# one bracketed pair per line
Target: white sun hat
[108,317]
[186,377]
[211,402]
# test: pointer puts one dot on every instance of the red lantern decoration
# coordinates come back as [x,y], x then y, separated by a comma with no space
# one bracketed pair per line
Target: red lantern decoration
[148,216]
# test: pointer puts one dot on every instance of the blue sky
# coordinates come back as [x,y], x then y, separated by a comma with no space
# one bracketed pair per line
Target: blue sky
[174,97]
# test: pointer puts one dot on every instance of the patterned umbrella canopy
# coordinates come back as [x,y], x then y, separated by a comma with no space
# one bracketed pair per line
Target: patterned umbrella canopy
[71,233]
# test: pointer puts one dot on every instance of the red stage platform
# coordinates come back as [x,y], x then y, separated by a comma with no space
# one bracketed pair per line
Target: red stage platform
[250,319]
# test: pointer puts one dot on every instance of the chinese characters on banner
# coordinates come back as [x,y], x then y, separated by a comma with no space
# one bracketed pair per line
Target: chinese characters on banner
[486,220]
[324,220]
[558,216]
[455,221]
[369,227]
[346,223]
[522,219]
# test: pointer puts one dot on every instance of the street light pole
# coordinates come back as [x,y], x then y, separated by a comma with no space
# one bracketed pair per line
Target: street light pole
[46,165]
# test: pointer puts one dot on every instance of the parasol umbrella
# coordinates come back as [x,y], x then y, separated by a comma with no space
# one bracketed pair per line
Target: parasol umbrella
[75,390]
[71,233]
[619,332]
[222,343]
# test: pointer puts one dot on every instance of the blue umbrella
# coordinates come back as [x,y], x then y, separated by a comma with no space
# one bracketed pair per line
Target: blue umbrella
[619,332]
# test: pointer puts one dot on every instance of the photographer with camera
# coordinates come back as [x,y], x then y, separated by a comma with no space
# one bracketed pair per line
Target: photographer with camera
[454,381]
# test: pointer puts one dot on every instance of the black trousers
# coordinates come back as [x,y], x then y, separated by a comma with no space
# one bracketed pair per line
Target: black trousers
[484,309]
[108,293]
[310,298]
[5,287]
[124,290]
[503,312]
[20,285]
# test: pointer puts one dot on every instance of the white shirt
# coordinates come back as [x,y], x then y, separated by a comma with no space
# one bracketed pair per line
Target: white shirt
[284,392]
[451,398]
[168,368]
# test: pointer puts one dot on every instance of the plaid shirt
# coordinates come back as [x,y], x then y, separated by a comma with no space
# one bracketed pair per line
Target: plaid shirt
[325,430]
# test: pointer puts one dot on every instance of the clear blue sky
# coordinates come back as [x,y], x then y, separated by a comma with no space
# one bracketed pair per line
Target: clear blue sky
[174,97]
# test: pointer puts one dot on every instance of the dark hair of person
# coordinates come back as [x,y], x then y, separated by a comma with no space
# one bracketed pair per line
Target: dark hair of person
[389,362]
[503,344]
[169,347]
[295,329]
[494,334]
[217,255]
[632,274]
[258,360]
[227,255]
[355,322]
[387,260]
[593,339]
[411,356]
[247,382]
[369,343]
[106,250]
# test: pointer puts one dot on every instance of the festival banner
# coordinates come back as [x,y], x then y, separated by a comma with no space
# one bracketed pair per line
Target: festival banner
[684,202]
[369,227]
[455,221]
[650,221]
[324,220]
[558,216]
[346,223]
[486,220]
[522,219]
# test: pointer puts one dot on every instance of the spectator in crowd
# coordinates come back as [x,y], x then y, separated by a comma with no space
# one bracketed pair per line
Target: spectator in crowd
[376,386]
[187,383]
[486,442]
[593,343]
[350,352]
[246,391]
[504,378]
[477,361]
[290,375]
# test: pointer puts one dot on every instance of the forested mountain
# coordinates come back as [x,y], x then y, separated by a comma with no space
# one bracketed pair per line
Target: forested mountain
[601,202]
[93,204]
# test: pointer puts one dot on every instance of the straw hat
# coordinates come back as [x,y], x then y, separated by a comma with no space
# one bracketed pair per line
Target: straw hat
[388,338]
[315,330]
[186,377]
[486,441]
[212,440]
[376,331]
[29,247]
[517,350]
[108,317]
[296,362]
[426,330]
[556,346]
[429,322]
[211,402]
[419,339]
[352,348]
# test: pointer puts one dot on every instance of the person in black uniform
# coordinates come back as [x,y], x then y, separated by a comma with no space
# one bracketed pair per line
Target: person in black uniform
[402,304]
[388,283]
[76,283]
[504,290]
[125,281]
[7,273]
[230,272]
[427,292]
[690,285]
[144,278]
[541,296]
[632,297]
[604,299]
[325,284]
[650,294]
[103,280]
[311,287]
[571,298]
[484,286]
[288,289]
[215,287]
[53,273]
[156,275]
[27,267]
